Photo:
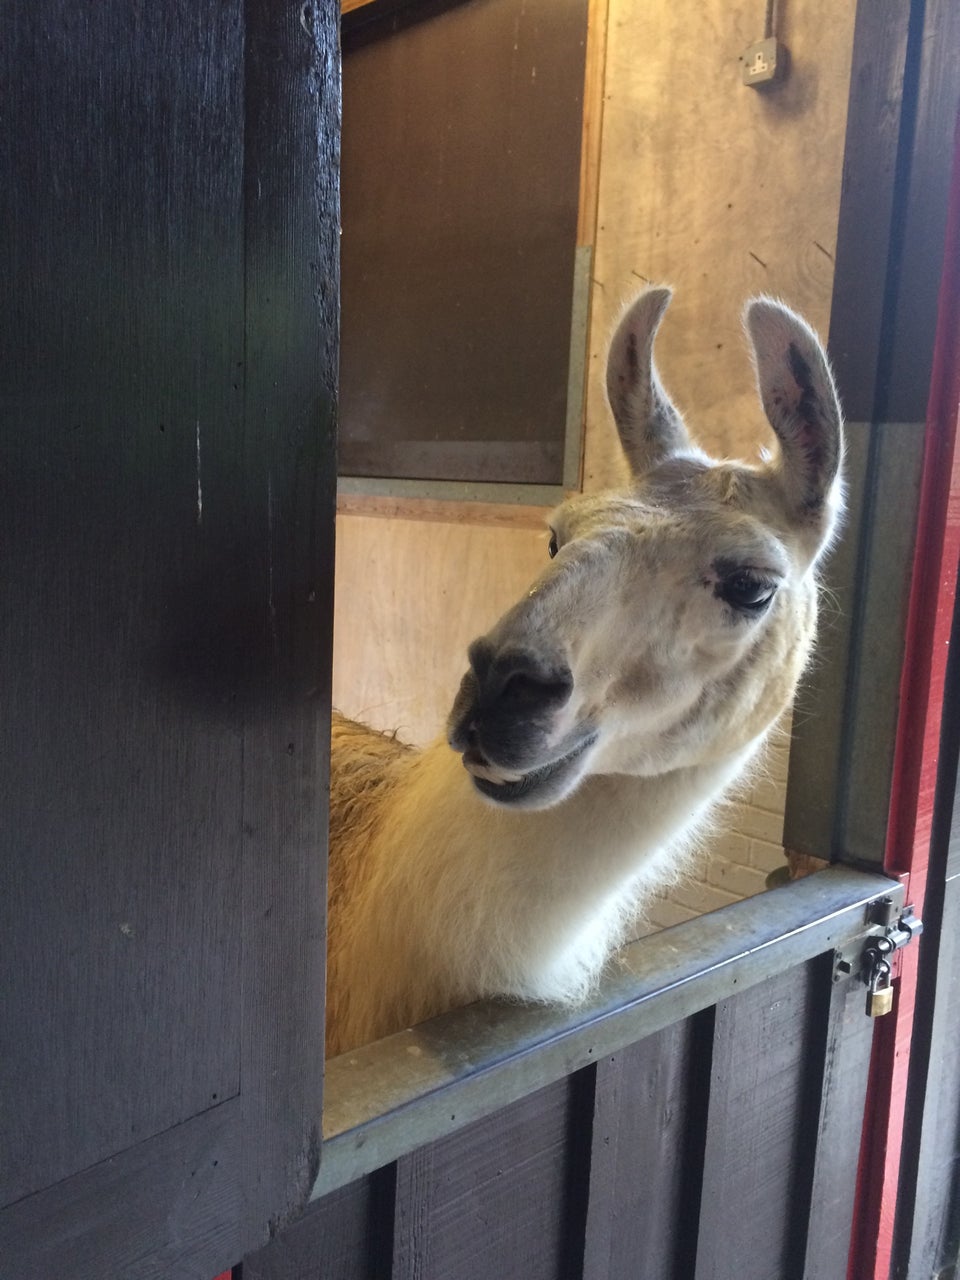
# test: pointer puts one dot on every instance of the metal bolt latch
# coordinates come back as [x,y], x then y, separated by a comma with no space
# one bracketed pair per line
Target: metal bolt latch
[875,964]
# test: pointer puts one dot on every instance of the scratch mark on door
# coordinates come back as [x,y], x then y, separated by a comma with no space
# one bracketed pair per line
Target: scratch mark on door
[199,479]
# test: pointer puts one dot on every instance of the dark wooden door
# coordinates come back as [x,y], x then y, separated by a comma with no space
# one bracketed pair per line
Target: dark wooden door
[168,222]
[864,758]
[698,1120]
[705,1118]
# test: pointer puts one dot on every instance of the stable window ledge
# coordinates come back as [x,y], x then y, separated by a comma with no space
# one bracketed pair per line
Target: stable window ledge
[400,1093]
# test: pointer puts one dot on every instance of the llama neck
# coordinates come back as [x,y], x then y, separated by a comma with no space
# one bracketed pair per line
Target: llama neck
[553,888]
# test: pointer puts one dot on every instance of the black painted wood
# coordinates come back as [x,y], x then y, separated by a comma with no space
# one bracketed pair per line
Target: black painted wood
[724,1144]
[758,1117]
[345,1236]
[646,1156]
[167,1207]
[873,165]
[120,787]
[837,1068]
[499,1198]
[873,178]
[291,207]
[168,215]
[923,220]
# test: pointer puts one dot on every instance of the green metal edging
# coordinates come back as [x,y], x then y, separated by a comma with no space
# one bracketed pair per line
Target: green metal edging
[392,1097]
[844,729]
[577,366]
[529,495]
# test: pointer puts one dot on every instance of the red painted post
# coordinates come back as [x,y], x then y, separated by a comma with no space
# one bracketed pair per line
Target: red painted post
[932,597]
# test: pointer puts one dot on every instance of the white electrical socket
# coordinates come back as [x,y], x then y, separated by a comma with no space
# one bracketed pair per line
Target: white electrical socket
[764,61]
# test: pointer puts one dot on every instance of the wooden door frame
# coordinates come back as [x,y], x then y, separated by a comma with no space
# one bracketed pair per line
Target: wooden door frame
[925,778]
[866,749]
[849,766]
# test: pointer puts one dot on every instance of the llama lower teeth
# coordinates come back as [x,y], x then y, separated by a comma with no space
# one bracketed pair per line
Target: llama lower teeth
[497,777]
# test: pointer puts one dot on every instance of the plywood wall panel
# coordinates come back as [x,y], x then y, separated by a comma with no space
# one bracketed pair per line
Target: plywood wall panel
[720,190]
[411,595]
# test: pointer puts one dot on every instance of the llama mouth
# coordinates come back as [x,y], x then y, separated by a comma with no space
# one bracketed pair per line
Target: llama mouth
[507,787]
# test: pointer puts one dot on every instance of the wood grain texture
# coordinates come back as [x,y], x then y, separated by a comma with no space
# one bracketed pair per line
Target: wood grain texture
[120,778]
[167,521]
[930,1223]
[645,1156]
[446,512]
[167,1207]
[717,189]
[345,1236]
[593,98]
[411,596]
[496,1199]
[829,1161]
[868,226]
[922,225]
[758,1117]
[291,305]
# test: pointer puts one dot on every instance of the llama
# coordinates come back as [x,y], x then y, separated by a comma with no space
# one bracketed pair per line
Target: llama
[601,719]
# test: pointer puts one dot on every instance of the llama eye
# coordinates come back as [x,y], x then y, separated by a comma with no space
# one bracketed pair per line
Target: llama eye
[552,546]
[746,592]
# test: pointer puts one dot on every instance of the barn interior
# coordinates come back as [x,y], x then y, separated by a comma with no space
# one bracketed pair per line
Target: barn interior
[662,165]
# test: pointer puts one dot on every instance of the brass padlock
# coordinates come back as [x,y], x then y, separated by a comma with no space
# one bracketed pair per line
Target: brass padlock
[879,990]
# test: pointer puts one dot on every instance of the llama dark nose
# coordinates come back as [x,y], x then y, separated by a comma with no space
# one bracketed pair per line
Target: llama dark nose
[506,701]
[518,680]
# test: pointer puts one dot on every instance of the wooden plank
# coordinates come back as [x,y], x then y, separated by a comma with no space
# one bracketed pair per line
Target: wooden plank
[757,1115]
[929,1227]
[165,1208]
[496,1199]
[923,222]
[120,782]
[345,1236]
[424,590]
[842,1061]
[714,227]
[593,97]
[290,376]
[386,507]
[871,170]
[923,309]
[927,1235]
[645,1158]
[416,1196]
[166,531]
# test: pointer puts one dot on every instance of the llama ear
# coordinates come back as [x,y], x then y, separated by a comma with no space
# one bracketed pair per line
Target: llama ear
[650,427]
[799,399]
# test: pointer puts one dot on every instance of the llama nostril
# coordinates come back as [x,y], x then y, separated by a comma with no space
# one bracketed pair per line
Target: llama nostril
[524,689]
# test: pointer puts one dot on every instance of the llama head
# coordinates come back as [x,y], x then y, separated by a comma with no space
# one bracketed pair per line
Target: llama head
[675,616]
